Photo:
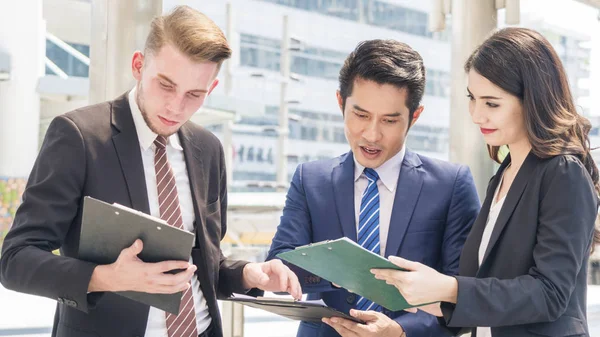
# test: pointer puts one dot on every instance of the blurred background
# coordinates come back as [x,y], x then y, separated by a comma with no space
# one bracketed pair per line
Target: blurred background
[276,106]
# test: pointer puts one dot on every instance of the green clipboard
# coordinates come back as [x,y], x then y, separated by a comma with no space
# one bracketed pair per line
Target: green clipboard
[348,265]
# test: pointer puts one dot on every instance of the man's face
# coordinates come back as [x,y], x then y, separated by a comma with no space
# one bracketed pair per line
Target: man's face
[376,121]
[171,87]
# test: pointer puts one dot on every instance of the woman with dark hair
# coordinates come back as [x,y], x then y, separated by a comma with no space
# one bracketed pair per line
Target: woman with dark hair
[523,269]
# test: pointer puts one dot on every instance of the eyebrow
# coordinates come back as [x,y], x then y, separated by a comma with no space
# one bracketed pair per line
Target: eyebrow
[163,77]
[395,114]
[483,97]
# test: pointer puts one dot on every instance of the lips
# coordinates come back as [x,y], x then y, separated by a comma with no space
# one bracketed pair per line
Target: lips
[487,131]
[167,122]
[370,152]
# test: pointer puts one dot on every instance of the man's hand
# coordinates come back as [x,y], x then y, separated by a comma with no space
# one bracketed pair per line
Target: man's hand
[129,273]
[377,325]
[272,276]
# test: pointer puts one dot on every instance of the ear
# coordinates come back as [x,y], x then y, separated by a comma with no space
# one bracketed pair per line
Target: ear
[416,115]
[340,101]
[137,63]
[213,86]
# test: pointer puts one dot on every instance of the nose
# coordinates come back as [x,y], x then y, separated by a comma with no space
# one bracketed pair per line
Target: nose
[176,104]
[477,114]
[372,132]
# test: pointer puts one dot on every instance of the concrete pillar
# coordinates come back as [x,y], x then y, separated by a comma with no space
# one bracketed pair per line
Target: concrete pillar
[472,22]
[233,319]
[23,51]
[282,138]
[119,28]
[22,40]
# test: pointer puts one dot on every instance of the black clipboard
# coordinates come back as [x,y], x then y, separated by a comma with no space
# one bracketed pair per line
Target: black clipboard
[106,229]
[309,311]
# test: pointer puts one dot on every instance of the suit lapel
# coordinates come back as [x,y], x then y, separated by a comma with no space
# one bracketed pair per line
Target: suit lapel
[193,161]
[512,199]
[408,190]
[343,186]
[127,146]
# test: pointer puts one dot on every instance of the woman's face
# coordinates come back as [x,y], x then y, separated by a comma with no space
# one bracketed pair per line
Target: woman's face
[498,114]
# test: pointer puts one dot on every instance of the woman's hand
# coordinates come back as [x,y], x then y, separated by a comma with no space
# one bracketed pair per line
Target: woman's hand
[432,309]
[419,284]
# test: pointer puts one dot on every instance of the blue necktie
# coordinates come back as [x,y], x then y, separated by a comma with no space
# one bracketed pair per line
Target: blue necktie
[368,227]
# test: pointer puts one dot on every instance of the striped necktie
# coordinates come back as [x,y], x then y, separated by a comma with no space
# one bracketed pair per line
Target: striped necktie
[368,227]
[184,324]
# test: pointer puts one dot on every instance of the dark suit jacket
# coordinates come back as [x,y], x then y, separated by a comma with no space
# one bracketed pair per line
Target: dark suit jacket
[532,280]
[94,151]
[434,207]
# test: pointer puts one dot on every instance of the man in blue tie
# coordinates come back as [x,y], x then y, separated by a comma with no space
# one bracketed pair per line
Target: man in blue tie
[387,198]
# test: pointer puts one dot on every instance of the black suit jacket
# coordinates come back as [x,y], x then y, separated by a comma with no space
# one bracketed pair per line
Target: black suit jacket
[532,280]
[94,151]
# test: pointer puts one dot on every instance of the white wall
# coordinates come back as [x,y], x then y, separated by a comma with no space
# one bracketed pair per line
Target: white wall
[69,20]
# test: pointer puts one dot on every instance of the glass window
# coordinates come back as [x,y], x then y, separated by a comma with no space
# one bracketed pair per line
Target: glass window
[265,53]
[372,12]
[251,153]
[67,62]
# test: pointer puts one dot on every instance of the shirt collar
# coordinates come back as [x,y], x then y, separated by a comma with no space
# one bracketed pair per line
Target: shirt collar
[145,135]
[388,172]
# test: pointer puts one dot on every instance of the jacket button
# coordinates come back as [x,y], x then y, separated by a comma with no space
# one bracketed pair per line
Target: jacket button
[350,298]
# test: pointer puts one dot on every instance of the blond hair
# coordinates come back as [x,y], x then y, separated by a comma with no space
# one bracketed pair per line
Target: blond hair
[191,32]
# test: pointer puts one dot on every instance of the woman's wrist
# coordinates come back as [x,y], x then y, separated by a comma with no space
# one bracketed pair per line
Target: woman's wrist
[450,287]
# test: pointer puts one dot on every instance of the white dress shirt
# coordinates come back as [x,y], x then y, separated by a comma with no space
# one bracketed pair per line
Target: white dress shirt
[485,240]
[388,173]
[157,325]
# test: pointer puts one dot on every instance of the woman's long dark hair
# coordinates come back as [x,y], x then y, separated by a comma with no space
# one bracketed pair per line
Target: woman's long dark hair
[523,63]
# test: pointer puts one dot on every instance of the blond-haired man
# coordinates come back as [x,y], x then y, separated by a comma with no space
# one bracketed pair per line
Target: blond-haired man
[139,150]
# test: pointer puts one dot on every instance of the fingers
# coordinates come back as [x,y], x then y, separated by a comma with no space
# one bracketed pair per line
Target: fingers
[294,285]
[175,279]
[156,281]
[288,281]
[390,276]
[279,270]
[166,266]
[170,289]
[366,316]
[344,327]
[394,276]
[134,249]
[405,264]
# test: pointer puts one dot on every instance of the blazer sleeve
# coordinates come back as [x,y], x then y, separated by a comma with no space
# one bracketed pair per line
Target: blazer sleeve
[295,230]
[464,208]
[567,213]
[50,204]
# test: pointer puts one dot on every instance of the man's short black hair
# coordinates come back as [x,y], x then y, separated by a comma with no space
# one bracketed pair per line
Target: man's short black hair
[385,62]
